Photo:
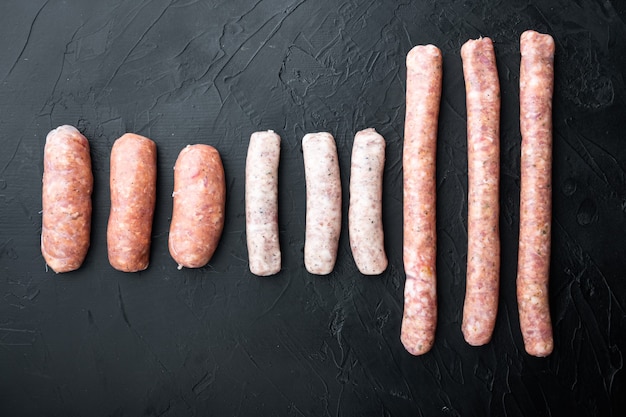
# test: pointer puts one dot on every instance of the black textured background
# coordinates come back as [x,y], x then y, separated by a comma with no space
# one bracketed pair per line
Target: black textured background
[221,342]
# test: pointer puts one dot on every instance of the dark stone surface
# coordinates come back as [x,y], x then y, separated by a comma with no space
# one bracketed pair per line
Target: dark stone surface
[219,341]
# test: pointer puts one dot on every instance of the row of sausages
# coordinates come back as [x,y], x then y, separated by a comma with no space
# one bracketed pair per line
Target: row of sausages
[423,95]
[199,198]
[199,202]
[197,217]
[323,196]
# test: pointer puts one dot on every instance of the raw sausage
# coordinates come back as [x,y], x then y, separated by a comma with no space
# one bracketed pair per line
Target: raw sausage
[323,202]
[199,203]
[365,223]
[536,88]
[262,203]
[133,194]
[66,199]
[423,96]
[482,90]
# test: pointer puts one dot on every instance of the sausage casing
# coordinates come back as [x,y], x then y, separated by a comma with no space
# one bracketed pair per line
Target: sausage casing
[199,206]
[423,96]
[536,89]
[323,202]
[482,89]
[262,203]
[133,196]
[66,199]
[365,223]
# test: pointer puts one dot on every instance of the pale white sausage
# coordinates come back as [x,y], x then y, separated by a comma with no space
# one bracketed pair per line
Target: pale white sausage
[261,197]
[365,223]
[323,202]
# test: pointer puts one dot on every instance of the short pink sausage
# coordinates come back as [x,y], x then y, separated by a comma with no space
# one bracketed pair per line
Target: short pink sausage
[133,196]
[66,199]
[199,206]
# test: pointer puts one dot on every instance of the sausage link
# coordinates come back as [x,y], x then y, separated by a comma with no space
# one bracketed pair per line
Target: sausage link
[536,88]
[199,206]
[323,202]
[262,203]
[365,223]
[483,169]
[423,96]
[66,199]
[133,194]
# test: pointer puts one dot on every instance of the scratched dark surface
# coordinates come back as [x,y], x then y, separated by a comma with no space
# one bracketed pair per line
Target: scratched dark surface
[219,341]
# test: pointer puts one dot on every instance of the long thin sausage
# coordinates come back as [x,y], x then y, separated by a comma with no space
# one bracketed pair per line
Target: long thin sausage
[423,96]
[365,223]
[482,89]
[133,195]
[323,202]
[262,203]
[536,88]
[199,205]
[66,199]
